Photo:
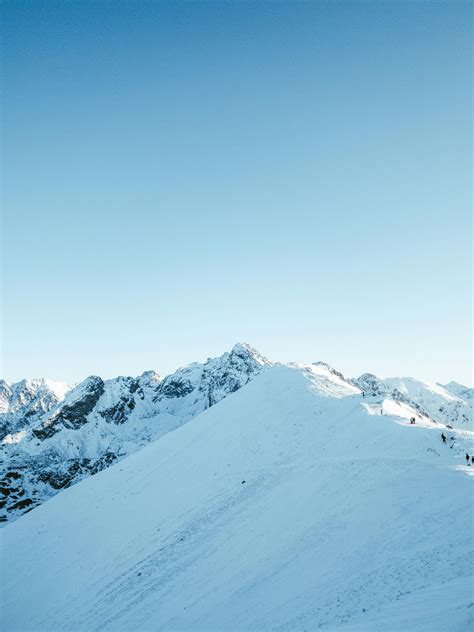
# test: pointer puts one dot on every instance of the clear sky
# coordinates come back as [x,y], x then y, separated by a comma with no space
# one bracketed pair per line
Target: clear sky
[178,177]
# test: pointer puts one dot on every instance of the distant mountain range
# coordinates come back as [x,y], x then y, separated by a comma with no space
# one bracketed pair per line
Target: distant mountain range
[54,435]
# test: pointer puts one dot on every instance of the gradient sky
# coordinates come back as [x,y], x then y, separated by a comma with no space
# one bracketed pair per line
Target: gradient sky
[181,176]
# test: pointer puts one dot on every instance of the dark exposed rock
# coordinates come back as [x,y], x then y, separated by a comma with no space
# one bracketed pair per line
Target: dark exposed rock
[64,477]
[174,387]
[119,412]
[12,474]
[73,414]
[22,504]
[370,384]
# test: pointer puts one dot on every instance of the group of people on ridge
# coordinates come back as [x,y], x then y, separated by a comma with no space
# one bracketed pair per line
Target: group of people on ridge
[469,458]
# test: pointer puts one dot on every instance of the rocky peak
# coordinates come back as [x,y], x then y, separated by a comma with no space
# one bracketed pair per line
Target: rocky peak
[370,384]
[248,354]
[73,412]
[24,402]
[149,378]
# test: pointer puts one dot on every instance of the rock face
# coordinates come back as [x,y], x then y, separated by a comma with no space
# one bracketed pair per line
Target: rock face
[52,437]
[24,403]
[74,412]
[371,384]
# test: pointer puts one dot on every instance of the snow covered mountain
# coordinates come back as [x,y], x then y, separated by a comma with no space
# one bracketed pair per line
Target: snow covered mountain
[450,404]
[459,390]
[54,435]
[26,402]
[295,503]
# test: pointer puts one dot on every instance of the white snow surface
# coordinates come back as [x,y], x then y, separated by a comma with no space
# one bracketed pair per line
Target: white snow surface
[451,406]
[284,507]
[440,403]
[459,390]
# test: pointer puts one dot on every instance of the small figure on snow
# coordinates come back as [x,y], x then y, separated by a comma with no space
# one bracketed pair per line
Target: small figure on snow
[468,458]
[443,437]
[412,421]
[472,459]
[363,394]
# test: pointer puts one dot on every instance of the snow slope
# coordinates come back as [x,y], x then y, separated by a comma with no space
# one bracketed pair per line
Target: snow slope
[289,505]
[76,432]
[459,390]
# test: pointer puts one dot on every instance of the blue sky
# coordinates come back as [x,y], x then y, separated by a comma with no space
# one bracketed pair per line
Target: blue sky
[181,176]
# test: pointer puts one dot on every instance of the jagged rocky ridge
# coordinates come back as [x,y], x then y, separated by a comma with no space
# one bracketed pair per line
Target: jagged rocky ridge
[50,442]
[53,435]
[24,403]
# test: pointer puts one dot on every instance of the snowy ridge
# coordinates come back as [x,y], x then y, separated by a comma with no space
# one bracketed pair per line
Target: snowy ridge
[55,435]
[431,401]
[459,390]
[290,509]
[326,381]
